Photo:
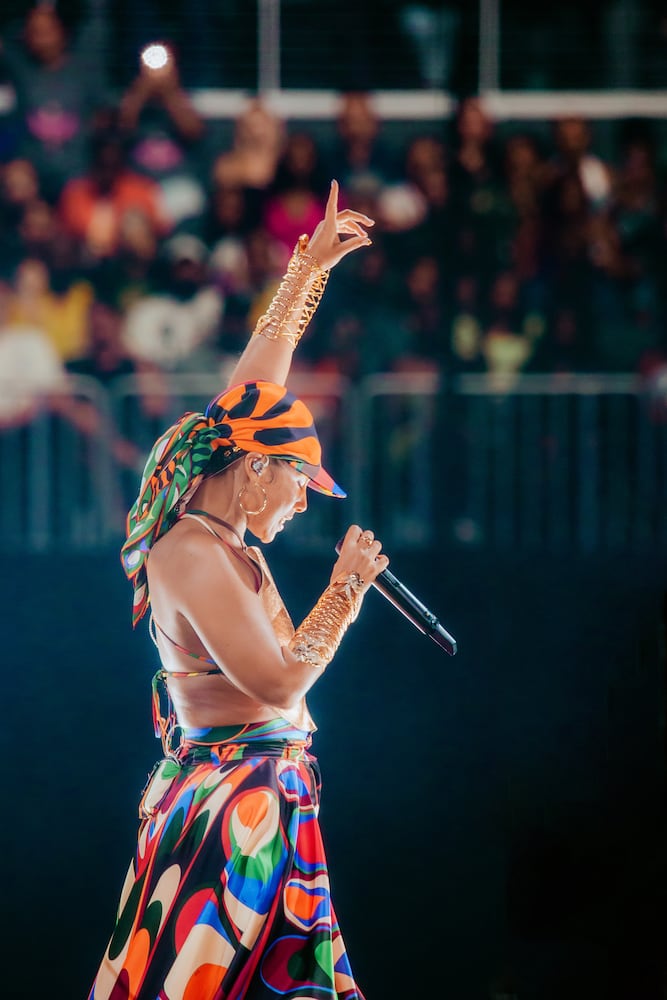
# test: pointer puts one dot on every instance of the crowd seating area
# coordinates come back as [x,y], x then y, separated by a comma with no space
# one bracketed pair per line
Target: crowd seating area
[139,240]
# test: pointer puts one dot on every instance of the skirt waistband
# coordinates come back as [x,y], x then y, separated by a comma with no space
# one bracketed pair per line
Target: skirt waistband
[276,738]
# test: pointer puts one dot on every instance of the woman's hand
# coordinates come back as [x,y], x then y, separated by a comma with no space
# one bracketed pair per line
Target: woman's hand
[326,245]
[360,553]
[271,358]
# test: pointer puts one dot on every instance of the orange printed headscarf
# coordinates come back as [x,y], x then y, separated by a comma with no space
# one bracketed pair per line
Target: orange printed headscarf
[253,416]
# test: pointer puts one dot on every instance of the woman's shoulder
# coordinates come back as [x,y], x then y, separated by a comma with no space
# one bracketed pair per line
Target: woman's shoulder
[179,552]
[188,554]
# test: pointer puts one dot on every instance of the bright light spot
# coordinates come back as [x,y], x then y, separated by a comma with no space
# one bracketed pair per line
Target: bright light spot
[155,56]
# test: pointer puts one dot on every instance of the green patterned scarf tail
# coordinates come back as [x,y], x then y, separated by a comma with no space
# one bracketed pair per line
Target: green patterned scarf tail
[176,460]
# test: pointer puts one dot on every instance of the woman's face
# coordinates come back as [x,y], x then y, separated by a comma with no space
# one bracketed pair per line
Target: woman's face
[285,489]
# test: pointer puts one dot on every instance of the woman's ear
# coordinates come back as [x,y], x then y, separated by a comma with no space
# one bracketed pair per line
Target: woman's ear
[258,463]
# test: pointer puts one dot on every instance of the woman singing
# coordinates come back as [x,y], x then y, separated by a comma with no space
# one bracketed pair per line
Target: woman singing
[228,893]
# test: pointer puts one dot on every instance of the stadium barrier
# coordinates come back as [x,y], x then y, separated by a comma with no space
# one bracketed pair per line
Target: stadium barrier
[534,463]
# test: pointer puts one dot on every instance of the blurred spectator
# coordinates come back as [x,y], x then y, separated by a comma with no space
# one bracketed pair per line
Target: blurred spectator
[59,83]
[361,329]
[105,358]
[92,206]
[135,270]
[38,230]
[30,369]
[510,336]
[251,163]
[572,139]
[107,361]
[165,135]
[227,214]
[525,180]
[249,274]
[465,343]
[176,329]
[568,274]
[297,197]
[423,317]
[418,208]
[492,329]
[39,236]
[475,186]
[627,248]
[359,155]
[60,317]
[19,189]
[229,237]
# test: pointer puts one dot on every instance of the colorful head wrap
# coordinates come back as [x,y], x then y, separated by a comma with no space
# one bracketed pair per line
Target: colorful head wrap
[252,416]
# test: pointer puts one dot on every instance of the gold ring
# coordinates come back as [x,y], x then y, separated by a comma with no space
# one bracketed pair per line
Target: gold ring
[366,539]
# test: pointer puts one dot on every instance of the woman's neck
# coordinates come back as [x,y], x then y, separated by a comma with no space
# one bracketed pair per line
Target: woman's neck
[220,505]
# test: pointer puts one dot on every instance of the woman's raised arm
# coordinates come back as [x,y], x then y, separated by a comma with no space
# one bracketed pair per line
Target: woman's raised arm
[268,354]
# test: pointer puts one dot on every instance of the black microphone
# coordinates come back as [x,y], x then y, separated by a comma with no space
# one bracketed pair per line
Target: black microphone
[413,609]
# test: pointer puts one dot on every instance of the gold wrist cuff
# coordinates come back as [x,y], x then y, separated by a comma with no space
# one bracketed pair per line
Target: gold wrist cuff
[296,300]
[320,634]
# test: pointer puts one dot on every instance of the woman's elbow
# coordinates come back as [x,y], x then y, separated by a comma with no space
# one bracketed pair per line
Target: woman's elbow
[282,689]
[279,695]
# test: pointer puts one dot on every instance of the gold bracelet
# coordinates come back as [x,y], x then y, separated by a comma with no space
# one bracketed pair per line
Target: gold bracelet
[296,300]
[320,633]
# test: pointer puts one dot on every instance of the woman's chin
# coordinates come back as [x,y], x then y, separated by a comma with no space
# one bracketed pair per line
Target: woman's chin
[268,533]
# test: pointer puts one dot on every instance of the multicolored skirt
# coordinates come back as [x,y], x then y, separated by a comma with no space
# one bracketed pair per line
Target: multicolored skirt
[228,894]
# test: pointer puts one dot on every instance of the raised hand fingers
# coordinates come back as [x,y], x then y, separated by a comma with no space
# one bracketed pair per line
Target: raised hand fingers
[350,222]
[349,214]
[326,245]
[331,211]
[353,243]
[351,228]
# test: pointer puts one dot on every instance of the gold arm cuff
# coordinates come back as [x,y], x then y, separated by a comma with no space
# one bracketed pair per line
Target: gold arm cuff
[320,634]
[296,300]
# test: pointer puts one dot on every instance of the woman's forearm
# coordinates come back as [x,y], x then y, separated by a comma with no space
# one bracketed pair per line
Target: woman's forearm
[277,333]
[264,360]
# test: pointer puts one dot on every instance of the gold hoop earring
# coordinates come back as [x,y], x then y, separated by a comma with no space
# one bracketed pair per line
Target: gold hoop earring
[247,512]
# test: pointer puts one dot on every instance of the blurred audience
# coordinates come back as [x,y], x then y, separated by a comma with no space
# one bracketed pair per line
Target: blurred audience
[257,145]
[572,140]
[59,83]
[92,207]
[297,197]
[493,251]
[61,317]
[176,327]
[360,156]
[136,245]
[165,135]
[475,185]
[30,369]
[107,361]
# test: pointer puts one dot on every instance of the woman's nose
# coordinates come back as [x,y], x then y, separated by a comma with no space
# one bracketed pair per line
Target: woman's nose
[302,502]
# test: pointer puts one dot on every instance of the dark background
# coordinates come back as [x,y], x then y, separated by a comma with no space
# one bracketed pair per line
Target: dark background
[494,822]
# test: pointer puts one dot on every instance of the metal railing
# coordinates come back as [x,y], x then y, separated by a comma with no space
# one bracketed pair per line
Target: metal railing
[534,463]
[551,462]
[61,485]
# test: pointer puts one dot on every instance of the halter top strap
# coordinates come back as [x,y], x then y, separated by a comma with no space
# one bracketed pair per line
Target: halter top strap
[153,625]
[241,555]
